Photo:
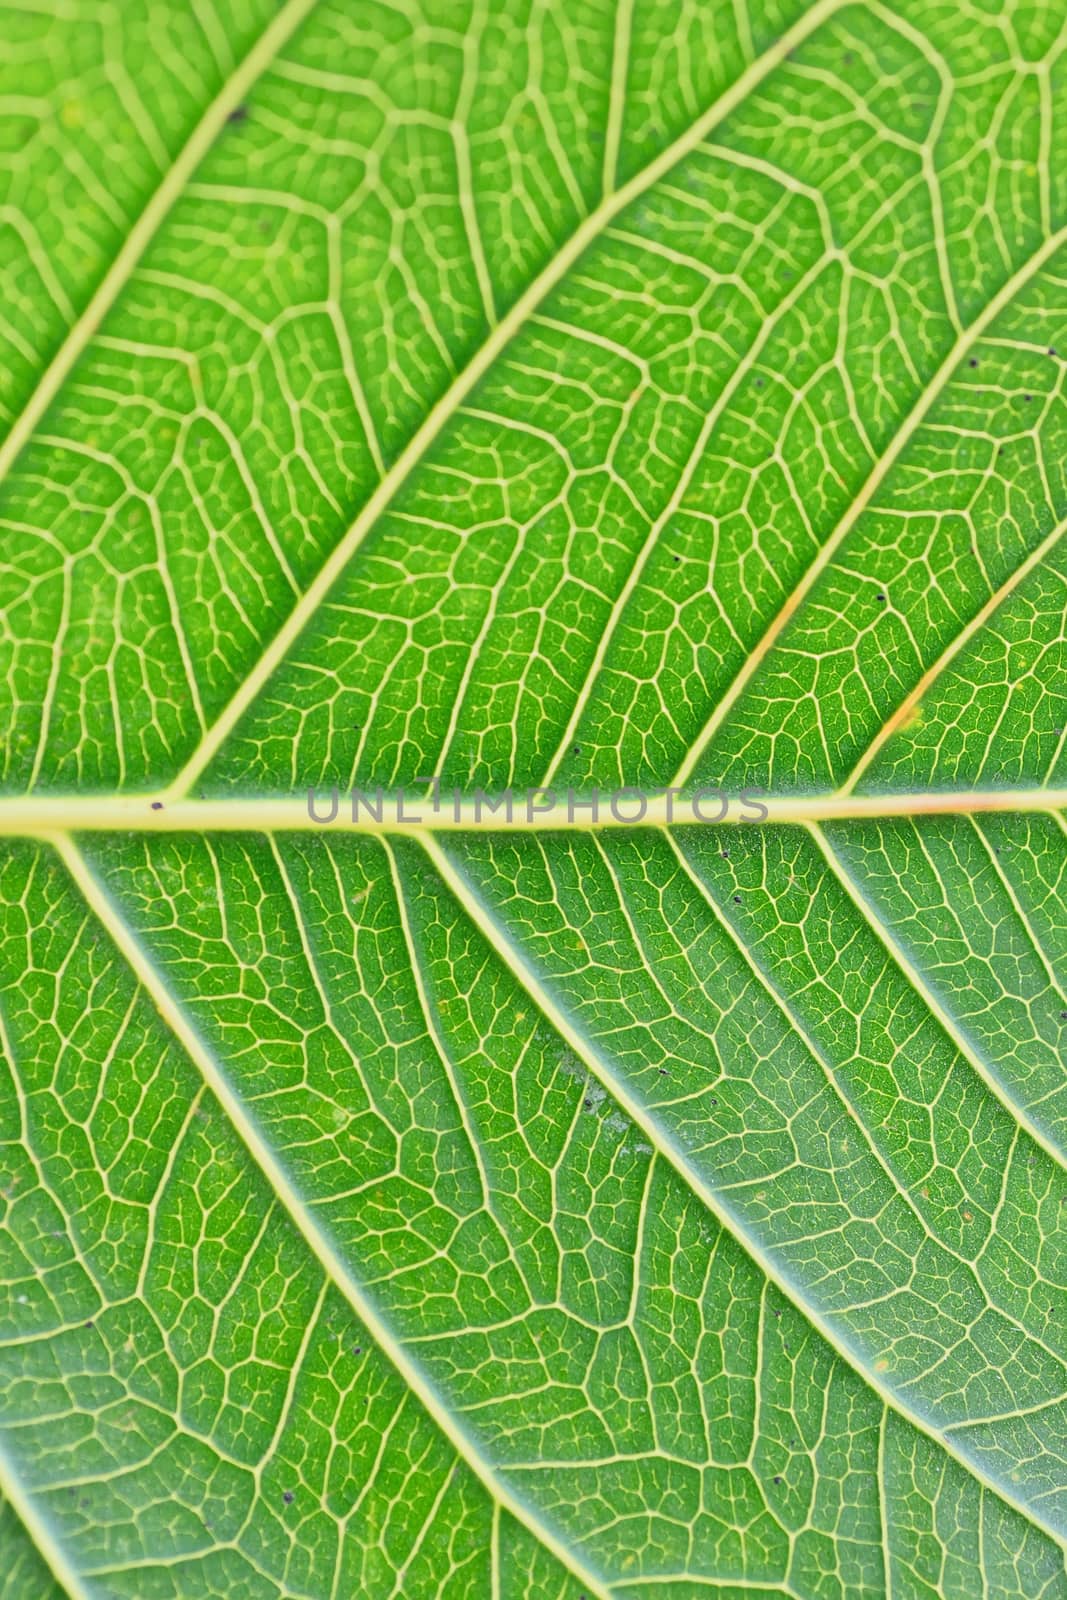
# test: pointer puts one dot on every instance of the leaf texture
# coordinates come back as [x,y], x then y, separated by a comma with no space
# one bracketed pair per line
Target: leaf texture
[570,398]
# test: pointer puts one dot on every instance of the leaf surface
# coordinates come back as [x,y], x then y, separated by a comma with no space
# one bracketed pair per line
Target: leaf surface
[574,398]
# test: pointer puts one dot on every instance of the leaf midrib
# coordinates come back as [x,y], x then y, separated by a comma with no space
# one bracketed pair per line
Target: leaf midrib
[404,811]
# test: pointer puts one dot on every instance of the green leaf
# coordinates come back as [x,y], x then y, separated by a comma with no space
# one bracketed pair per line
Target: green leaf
[535,398]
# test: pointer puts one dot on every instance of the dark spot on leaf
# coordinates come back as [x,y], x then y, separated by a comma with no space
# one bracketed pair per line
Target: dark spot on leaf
[157,805]
[973,362]
[238,114]
[288,1497]
[737,899]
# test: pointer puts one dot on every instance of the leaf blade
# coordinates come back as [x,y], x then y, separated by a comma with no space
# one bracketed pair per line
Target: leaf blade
[572,1208]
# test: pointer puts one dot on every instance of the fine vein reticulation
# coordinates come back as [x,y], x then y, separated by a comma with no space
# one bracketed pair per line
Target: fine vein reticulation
[533,1206]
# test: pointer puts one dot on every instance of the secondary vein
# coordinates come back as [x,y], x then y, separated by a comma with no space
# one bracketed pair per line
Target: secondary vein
[147,225]
[322,1247]
[662,1142]
[499,337]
